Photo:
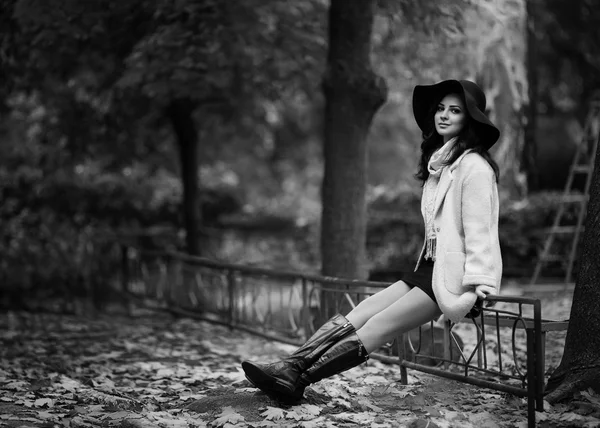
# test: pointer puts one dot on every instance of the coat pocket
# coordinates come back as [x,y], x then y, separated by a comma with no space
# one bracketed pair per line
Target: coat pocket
[454,271]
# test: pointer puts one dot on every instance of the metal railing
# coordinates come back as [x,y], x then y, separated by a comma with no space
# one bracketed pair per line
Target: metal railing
[276,304]
[288,306]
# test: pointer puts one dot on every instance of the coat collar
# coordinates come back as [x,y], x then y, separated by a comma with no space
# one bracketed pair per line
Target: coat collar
[445,181]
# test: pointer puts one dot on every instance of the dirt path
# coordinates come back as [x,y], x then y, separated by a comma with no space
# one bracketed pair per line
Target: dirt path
[158,371]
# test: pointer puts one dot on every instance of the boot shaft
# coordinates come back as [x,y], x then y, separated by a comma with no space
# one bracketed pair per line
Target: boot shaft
[282,376]
[329,334]
[326,330]
[347,353]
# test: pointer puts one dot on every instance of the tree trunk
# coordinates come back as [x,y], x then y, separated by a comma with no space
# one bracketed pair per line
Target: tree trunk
[495,50]
[580,365]
[529,146]
[180,114]
[353,93]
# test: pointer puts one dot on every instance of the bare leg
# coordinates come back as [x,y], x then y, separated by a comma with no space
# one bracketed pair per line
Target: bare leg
[339,338]
[406,313]
[376,303]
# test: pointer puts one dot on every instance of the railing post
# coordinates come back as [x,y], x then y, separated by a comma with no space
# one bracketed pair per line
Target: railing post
[401,340]
[447,343]
[176,284]
[531,378]
[174,265]
[480,343]
[540,357]
[125,271]
[231,294]
[305,309]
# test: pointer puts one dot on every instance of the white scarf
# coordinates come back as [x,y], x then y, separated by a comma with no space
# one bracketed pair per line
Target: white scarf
[437,159]
[435,167]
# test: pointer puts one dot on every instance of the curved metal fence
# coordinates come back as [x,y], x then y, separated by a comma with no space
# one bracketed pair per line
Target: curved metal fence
[501,347]
[283,305]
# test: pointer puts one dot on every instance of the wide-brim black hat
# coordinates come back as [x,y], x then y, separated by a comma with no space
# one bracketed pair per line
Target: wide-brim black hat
[425,95]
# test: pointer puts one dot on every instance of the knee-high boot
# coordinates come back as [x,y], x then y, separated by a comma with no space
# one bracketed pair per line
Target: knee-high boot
[344,355]
[281,377]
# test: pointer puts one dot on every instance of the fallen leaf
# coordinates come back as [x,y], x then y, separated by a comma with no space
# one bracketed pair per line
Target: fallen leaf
[315,423]
[16,386]
[570,417]
[122,415]
[483,420]
[273,413]
[41,402]
[592,397]
[228,416]
[363,418]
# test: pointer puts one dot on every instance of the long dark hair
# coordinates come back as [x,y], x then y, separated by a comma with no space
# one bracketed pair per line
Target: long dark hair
[468,138]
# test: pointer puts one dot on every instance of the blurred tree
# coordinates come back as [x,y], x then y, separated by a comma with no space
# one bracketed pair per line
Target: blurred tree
[579,368]
[235,87]
[91,94]
[498,57]
[568,37]
[564,39]
[180,112]
[353,93]
[531,111]
[134,68]
[425,41]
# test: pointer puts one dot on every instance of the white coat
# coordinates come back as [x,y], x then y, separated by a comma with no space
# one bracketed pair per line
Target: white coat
[466,225]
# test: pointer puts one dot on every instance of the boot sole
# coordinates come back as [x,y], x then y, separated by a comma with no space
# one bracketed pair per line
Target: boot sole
[276,395]
[268,384]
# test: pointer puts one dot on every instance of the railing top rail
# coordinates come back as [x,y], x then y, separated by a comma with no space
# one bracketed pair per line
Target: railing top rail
[524,322]
[280,273]
[513,299]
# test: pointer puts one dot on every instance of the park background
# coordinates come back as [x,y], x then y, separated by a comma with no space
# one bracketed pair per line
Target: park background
[204,121]
[210,128]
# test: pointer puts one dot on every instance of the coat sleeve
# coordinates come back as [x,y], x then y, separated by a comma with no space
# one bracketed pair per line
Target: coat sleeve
[478,190]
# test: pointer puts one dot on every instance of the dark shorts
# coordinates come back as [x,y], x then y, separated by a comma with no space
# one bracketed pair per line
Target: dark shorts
[421,278]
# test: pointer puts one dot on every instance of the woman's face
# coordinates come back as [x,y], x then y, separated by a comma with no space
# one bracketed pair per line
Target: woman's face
[450,116]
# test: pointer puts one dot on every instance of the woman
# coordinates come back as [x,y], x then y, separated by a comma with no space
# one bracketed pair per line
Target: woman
[460,260]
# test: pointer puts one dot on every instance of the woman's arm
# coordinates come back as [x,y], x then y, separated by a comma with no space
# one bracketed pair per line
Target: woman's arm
[478,192]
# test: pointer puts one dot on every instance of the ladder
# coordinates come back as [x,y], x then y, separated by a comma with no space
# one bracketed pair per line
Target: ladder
[582,165]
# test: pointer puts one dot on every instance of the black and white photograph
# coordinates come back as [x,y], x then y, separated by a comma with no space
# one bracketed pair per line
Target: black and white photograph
[299,213]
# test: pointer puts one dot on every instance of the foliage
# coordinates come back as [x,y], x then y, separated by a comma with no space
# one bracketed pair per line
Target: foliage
[524,227]
[126,61]
[83,87]
[86,87]
[153,370]
[57,212]
[395,235]
[567,38]
[482,41]
[51,216]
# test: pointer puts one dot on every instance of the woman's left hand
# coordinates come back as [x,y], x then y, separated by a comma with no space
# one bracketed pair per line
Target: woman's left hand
[482,291]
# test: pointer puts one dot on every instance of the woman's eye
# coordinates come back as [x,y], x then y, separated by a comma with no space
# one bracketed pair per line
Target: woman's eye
[456,111]
[440,108]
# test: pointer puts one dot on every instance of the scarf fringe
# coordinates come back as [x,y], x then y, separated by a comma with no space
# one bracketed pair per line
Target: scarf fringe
[430,246]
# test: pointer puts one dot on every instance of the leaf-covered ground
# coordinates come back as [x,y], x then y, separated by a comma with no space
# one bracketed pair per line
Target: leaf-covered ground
[153,370]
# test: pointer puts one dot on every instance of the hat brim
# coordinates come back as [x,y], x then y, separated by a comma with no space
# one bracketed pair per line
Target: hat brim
[425,95]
